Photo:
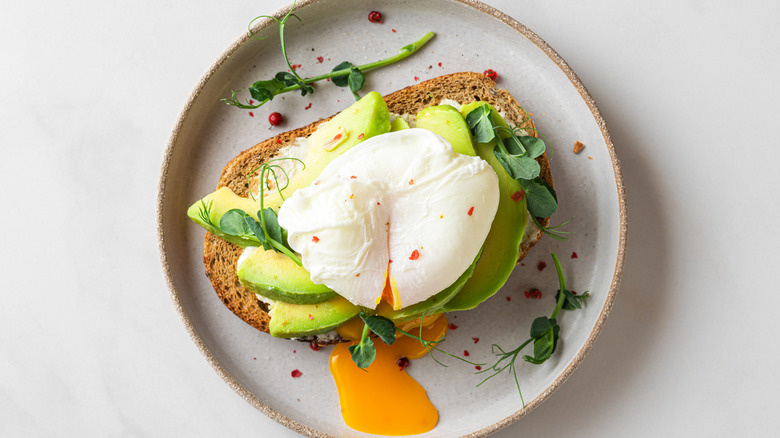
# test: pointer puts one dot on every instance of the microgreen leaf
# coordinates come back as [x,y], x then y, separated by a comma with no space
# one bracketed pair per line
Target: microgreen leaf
[541,198]
[233,223]
[272,224]
[356,81]
[518,167]
[381,326]
[363,353]
[253,225]
[342,80]
[534,147]
[480,121]
[541,325]
[571,301]
[265,90]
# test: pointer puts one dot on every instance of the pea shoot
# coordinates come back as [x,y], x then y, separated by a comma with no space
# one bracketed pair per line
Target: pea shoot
[345,73]
[544,334]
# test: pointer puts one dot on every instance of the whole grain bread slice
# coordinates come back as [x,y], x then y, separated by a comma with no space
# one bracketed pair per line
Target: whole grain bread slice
[220,257]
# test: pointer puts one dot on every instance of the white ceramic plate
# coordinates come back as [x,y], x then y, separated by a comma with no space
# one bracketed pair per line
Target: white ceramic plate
[469,36]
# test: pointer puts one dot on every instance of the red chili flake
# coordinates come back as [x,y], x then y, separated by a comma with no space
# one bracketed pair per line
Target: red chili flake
[320,59]
[477,367]
[452,326]
[293,351]
[295,66]
[471,211]
[509,298]
[278,142]
[411,182]
[518,195]
[254,358]
[393,30]
[390,261]
[296,374]
[315,239]
[316,183]
[328,79]
[440,64]
[490,73]
[378,203]
[375,17]
[475,340]
[311,318]
[353,177]
[541,265]
[466,353]
[314,346]
[402,362]
[251,101]
[416,78]
[533,294]
[573,292]
[362,134]
[337,136]
[308,106]
[574,255]
[251,114]
[357,275]
[275,119]
[415,255]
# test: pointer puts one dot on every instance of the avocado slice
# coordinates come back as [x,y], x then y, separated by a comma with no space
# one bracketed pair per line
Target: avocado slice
[214,205]
[398,124]
[275,276]
[449,123]
[366,118]
[296,320]
[502,245]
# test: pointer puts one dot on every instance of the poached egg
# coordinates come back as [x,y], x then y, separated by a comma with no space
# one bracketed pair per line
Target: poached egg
[399,216]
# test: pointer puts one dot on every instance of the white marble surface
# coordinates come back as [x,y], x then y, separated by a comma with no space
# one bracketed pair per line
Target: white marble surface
[91,345]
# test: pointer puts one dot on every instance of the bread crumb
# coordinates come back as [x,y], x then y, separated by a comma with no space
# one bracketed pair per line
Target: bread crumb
[590,158]
[578,147]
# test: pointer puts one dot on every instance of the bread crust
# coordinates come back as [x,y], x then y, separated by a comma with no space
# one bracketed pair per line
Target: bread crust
[220,257]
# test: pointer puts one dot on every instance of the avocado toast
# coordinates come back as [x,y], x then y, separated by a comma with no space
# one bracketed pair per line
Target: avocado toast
[481,280]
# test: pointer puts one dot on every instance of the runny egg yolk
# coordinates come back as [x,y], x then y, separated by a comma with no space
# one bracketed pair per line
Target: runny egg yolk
[383,399]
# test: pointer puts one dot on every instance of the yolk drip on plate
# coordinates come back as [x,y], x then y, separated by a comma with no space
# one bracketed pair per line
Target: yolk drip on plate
[383,399]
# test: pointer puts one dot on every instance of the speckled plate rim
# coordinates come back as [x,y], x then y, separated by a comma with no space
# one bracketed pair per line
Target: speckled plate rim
[578,358]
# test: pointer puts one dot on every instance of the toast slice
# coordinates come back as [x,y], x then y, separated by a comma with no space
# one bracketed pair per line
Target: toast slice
[220,257]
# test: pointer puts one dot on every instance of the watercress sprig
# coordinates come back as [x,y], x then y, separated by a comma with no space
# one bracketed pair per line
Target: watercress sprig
[544,334]
[345,74]
[517,155]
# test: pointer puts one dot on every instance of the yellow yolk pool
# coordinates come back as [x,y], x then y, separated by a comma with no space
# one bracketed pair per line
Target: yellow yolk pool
[383,399]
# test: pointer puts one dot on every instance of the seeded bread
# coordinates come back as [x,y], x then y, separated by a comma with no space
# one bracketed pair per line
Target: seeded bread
[220,257]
